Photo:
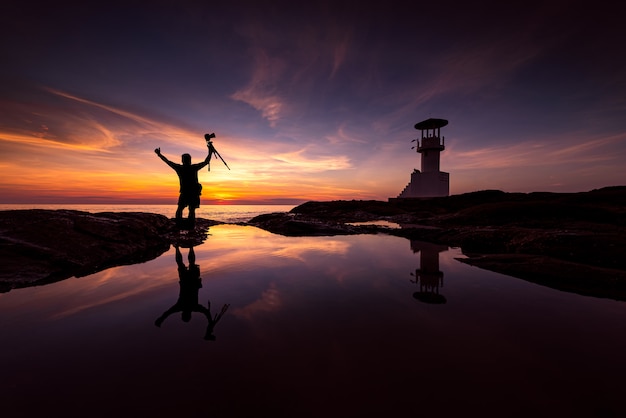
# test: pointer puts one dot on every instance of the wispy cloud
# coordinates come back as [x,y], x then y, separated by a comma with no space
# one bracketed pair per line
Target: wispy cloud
[343,135]
[128,115]
[314,100]
[340,50]
[79,124]
[554,151]
[260,93]
[270,301]
[303,163]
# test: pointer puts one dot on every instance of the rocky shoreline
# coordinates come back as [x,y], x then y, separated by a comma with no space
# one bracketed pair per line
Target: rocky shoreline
[569,241]
[44,246]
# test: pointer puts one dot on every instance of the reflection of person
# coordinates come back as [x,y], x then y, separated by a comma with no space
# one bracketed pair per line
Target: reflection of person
[190,188]
[187,303]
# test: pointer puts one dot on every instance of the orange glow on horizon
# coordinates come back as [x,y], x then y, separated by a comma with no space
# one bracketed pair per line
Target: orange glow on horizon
[114,162]
[82,151]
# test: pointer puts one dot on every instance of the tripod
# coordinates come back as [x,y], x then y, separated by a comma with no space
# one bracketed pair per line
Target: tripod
[212,151]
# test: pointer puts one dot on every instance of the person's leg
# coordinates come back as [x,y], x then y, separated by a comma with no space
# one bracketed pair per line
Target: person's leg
[193,205]
[179,258]
[181,206]
[191,256]
[180,222]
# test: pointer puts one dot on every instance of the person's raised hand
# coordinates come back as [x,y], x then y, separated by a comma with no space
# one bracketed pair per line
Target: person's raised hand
[157,151]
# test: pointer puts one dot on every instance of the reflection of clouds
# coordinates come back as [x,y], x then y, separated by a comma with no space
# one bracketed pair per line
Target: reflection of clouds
[269,301]
[298,250]
[112,285]
[224,249]
[276,271]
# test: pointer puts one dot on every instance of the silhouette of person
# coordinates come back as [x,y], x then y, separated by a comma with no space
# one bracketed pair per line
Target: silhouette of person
[190,187]
[187,303]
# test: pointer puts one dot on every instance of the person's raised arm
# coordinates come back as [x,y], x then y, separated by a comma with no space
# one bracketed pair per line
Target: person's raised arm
[161,156]
[204,163]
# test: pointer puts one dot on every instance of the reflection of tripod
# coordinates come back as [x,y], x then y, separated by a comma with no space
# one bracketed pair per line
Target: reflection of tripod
[212,150]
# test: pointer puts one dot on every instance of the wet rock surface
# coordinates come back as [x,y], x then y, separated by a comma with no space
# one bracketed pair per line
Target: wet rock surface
[44,246]
[569,241]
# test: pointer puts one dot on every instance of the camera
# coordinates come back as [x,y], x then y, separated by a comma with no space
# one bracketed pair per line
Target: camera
[212,149]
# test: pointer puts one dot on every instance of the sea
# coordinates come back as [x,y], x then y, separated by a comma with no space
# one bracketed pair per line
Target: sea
[222,213]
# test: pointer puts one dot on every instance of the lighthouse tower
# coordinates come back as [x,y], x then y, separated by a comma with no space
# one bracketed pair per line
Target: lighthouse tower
[430,182]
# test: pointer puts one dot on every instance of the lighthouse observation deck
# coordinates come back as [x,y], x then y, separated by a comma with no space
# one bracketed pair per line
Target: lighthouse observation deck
[431,143]
[431,181]
[431,124]
[431,138]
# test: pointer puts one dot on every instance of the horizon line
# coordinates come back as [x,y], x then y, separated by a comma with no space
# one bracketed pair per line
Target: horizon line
[214,203]
[221,202]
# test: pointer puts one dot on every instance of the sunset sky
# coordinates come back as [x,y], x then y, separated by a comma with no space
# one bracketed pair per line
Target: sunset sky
[311,100]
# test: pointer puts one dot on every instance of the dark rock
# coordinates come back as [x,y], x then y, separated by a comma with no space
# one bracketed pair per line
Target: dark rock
[44,246]
[558,274]
[348,210]
[186,235]
[289,224]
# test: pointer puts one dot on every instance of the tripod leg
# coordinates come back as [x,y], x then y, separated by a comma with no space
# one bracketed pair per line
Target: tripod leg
[218,154]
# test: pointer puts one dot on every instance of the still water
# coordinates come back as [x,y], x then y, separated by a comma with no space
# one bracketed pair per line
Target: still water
[345,326]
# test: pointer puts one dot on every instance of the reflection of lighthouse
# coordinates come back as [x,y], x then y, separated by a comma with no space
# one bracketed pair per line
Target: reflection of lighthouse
[428,277]
[430,182]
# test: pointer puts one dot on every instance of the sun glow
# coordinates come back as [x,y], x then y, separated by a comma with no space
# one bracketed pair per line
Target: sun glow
[102,153]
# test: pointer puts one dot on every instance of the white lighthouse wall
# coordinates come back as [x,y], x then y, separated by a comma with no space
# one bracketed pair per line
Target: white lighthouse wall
[430,161]
[429,184]
[430,149]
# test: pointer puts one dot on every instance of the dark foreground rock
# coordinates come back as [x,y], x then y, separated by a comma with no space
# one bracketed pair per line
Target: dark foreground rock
[44,246]
[569,241]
